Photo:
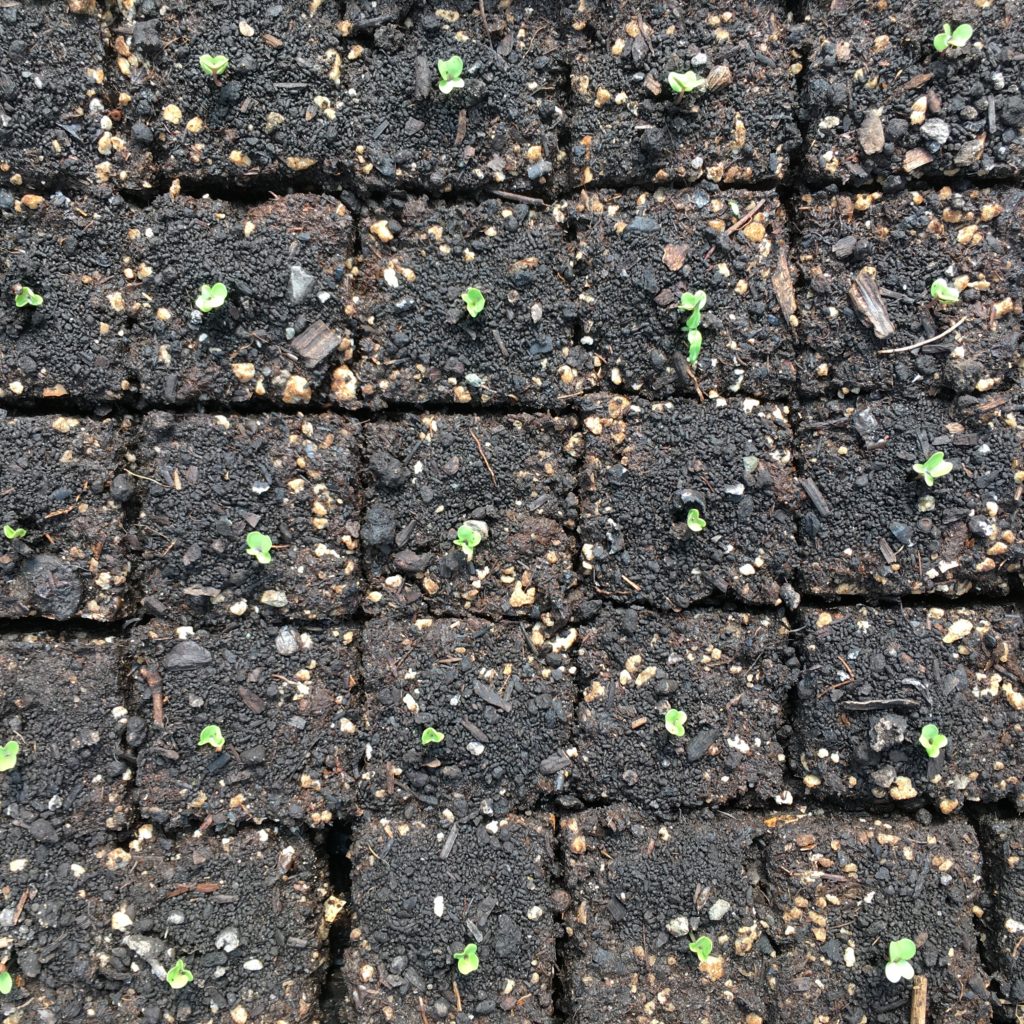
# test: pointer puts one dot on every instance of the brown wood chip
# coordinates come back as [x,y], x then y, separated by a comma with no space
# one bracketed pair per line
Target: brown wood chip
[491,696]
[316,343]
[449,842]
[869,304]
[871,133]
[814,493]
[782,282]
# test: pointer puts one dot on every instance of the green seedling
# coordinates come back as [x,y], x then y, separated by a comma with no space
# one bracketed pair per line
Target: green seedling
[702,947]
[211,736]
[211,297]
[933,467]
[213,64]
[685,81]
[9,755]
[14,532]
[24,296]
[431,736]
[955,37]
[694,521]
[6,983]
[467,539]
[450,71]
[474,300]
[674,722]
[467,959]
[258,545]
[932,740]
[693,303]
[899,968]
[179,975]
[943,292]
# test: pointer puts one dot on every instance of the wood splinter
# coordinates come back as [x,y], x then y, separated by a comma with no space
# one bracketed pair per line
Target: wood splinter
[919,1000]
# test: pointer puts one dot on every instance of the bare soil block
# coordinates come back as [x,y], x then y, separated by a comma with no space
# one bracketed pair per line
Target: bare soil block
[282,330]
[647,464]
[208,481]
[880,103]
[68,251]
[285,702]
[500,128]
[870,524]
[419,343]
[640,893]
[730,673]
[422,891]
[429,474]
[629,127]
[867,264]
[501,698]
[62,484]
[53,100]
[843,888]
[639,251]
[1002,843]
[874,677]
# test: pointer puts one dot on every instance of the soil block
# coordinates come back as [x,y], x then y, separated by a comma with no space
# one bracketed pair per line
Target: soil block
[284,700]
[63,486]
[418,341]
[629,126]
[881,103]
[68,251]
[639,251]
[421,892]
[207,481]
[640,893]
[871,525]
[283,327]
[429,474]
[730,673]
[647,464]
[501,698]
[874,677]
[867,265]
[1002,843]
[843,888]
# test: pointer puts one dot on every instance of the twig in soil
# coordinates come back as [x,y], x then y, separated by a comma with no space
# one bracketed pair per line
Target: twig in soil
[458,996]
[153,682]
[25,897]
[921,344]
[514,197]
[480,449]
[919,1000]
[751,213]
[149,479]
[423,1012]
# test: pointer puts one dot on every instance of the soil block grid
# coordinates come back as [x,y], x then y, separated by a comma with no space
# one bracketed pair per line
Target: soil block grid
[872,526]
[501,699]
[515,475]
[729,673]
[647,465]
[874,677]
[738,124]
[867,264]
[421,892]
[1003,849]
[639,251]
[285,702]
[208,481]
[62,484]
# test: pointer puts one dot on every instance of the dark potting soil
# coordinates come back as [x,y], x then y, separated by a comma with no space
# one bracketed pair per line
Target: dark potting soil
[870,525]
[730,673]
[1002,843]
[874,677]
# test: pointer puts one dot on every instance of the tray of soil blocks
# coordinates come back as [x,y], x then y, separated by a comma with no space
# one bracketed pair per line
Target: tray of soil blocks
[843,888]
[281,329]
[53,95]
[881,275]
[897,92]
[424,891]
[872,524]
[682,501]
[661,96]
[508,482]
[639,253]
[875,679]
[465,715]
[245,722]
[644,896]
[62,502]
[423,338]
[728,673]
[63,316]
[1002,843]
[254,516]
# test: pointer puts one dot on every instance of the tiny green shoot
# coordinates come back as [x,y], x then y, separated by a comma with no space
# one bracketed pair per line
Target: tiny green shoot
[932,740]
[694,521]
[474,300]
[9,755]
[685,81]
[211,297]
[431,735]
[933,467]
[955,37]
[211,736]
[899,968]
[14,532]
[702,947]
[24,296]
[944,292]
[179,975]
[6,983]
[467,959]
[258,545]
[450,71]
[693,303]
[674,722]
[213,64]
[467,539]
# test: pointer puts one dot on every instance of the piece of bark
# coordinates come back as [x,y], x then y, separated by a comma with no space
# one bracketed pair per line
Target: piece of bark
[316,343]
[782,282]
[871,133]
[870,306]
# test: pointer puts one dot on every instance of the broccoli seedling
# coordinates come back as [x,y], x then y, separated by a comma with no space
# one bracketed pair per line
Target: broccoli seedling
[9,755]
[24,296]
[6,983]
[211,297]
[467,539]
[431,735]
[943,292]
[213,64]
[179,975]
[685,81]
[693,303]
[694,521]
[933,467]
[14,532]
[702,947]
[450,71]
[955,37]
[467,960]
[211,736]
[674,722]
[474,300]
[899,968]
[258,545]
[932,740]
